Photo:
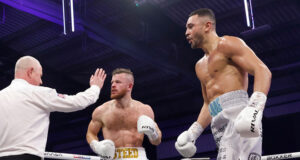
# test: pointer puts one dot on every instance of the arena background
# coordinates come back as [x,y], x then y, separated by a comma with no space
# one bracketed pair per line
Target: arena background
[147,36]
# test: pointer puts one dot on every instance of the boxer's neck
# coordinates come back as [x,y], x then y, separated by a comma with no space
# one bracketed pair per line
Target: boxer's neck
[124,102]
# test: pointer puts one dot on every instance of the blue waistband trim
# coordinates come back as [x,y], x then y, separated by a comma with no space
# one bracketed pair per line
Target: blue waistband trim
[215,107]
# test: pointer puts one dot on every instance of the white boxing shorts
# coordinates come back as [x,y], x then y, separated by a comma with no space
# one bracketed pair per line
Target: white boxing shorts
[224,109]
[130,153]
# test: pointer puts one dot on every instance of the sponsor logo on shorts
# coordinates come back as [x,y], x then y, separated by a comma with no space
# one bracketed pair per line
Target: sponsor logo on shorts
[126,153]
[218,133]
[254,156]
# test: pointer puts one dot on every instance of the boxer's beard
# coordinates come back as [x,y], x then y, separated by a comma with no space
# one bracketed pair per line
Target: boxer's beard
[198,40]
[118,95]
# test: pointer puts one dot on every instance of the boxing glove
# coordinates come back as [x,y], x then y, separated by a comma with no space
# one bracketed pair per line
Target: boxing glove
[185,143]
[248,122]
[147,126]
[105,148]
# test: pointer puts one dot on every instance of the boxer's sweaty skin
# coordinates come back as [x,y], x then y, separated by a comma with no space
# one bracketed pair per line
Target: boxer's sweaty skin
[120,124]
[225,64]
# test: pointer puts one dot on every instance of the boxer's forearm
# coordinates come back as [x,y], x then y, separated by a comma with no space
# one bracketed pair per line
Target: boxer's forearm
[204,117]
[90,137]
[92,132]
[262,79]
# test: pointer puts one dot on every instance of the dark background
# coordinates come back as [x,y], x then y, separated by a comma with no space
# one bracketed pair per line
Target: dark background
[147,36]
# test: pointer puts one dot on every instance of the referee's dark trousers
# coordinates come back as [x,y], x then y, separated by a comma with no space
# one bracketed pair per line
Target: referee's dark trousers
[21,157]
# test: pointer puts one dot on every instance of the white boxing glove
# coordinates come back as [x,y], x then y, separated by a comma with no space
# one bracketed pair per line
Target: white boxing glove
[185,143]
[105,148]
[147,126]
[248,122]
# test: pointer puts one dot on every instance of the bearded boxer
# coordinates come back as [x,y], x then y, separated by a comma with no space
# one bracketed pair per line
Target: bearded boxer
[124,122]
[223,72]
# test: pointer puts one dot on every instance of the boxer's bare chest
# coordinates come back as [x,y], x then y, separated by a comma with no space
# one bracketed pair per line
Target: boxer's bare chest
[122,118]
[211,67]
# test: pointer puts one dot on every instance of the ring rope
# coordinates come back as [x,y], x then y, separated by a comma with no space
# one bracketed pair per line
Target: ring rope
[281,156]
[68,156]
[55,155]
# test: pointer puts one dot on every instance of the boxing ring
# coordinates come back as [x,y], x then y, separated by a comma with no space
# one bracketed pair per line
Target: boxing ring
[68,156]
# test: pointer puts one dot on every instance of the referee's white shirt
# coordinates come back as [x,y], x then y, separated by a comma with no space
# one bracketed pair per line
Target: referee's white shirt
[24,115]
